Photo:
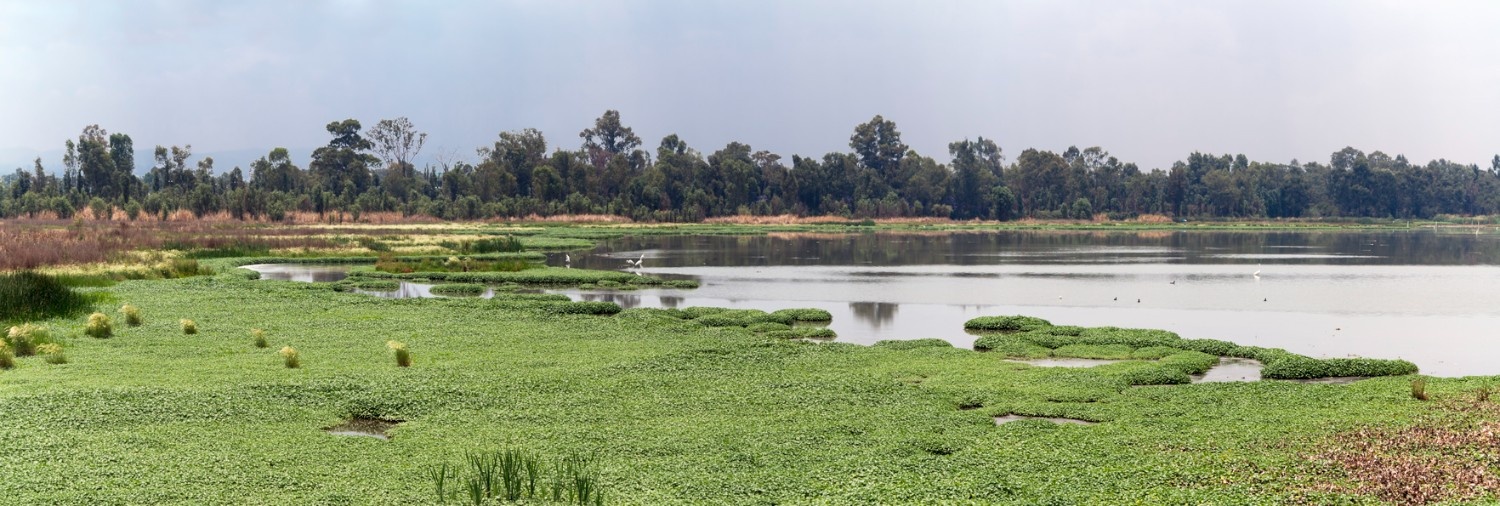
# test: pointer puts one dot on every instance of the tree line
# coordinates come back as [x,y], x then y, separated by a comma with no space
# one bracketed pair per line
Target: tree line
[610,173]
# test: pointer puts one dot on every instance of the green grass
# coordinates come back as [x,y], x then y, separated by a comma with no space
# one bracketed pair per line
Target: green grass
[672,411]
[29,296]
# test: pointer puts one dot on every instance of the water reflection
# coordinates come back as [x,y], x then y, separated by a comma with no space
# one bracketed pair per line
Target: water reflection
[874,314]
[303,273]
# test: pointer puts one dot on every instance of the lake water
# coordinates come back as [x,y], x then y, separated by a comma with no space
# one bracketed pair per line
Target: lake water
[1425,296]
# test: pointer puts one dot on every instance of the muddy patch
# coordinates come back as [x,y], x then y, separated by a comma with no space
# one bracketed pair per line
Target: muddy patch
[1002,420]
[364,427]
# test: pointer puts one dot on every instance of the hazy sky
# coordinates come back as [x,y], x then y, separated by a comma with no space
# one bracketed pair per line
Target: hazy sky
[1150,81]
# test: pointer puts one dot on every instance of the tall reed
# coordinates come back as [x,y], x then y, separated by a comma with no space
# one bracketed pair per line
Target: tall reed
[403,355]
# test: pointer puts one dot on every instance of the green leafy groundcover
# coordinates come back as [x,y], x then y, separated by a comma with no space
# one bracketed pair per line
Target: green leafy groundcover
[1037,338]
[670,410]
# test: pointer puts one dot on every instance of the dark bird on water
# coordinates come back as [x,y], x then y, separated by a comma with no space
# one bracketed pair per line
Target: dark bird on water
[1173,282]
[1117,298]
[1138,301]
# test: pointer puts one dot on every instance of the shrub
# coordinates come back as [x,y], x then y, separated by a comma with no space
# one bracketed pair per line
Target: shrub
[403,355]
[25,338]
[459,289]
[805,314]
[32,296]
[132,315]
[188,326]
[7,357]
[259,338]
[913,344]
[289,355]
[1006,323]
[99,326]
[52,353]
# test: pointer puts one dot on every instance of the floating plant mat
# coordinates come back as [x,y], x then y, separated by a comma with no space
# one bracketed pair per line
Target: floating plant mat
[364,427]
[1066,362]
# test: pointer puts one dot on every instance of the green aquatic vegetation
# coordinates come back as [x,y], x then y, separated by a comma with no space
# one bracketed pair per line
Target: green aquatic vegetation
[538,276]
[913,344]
[1006,323]
[685,414]
[803,333]
[1153,352]
[813,315]
[509,476]
[132,315]
[584,307]
[767,326]
[459,289]
[377,285]
[30,296]
[189,327]
[99,326]
[1095,351]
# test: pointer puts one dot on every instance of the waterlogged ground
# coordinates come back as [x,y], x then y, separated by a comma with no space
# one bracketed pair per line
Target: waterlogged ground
[1422,296]
[678,413]
[675,413]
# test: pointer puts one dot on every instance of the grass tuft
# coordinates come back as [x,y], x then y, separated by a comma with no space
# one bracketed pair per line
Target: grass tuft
[258,337]
[289,354]
[99,326]
[188,326]
[132,315]
[403,355]
[1419,389]
[7,357]
[23,339]
[52,353]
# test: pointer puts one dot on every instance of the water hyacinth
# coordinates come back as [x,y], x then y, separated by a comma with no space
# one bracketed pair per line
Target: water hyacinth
[403,355]
[99,326]
[188,326]
[132,315]
[289,354]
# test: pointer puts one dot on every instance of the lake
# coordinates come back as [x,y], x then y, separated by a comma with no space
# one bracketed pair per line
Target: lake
[1426,296]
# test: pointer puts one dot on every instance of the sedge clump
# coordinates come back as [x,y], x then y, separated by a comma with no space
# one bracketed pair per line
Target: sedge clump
[289,355]
[188,326]
[403,355]
[132,315]
[24,338]
[99,326]
[52,353]
[258,336]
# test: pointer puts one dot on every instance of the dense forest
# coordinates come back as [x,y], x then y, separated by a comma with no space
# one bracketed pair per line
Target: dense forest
[609,173]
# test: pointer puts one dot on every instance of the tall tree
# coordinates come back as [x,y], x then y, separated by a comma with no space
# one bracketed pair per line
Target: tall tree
[343,166]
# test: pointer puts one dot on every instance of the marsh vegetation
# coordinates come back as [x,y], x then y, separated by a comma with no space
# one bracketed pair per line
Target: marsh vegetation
[543,397]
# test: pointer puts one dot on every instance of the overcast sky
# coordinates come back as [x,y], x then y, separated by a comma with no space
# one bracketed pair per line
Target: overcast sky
[1150,81]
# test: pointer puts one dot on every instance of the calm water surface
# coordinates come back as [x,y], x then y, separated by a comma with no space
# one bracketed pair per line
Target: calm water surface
[1432,298]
